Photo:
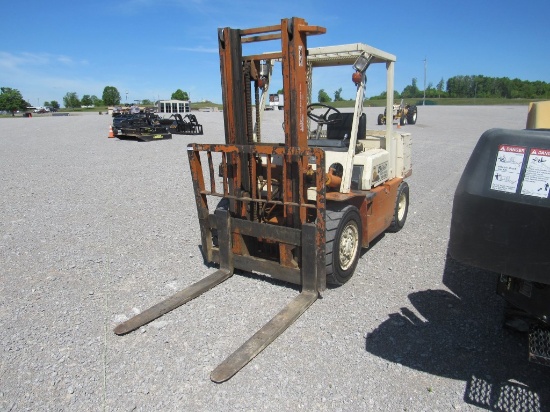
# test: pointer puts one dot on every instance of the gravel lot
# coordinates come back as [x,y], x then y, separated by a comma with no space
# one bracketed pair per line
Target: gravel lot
[93,230]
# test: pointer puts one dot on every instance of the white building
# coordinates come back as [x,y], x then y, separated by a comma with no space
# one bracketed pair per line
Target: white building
[166,108]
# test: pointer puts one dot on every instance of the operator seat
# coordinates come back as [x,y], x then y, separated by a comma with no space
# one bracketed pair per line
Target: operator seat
[338,133]
[342,130]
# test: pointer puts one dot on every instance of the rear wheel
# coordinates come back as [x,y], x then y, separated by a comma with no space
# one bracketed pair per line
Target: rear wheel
[411,115]
[401,208]
[343,243]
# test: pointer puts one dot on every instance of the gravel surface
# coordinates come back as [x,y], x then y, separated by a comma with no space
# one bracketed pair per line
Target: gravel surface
[94,230]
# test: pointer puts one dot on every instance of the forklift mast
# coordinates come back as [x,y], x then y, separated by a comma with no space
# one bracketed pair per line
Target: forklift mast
[265,186]
[238,72]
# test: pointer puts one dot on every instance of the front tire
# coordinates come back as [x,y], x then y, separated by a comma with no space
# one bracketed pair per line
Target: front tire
[381,119]
[343,243]
[401,208]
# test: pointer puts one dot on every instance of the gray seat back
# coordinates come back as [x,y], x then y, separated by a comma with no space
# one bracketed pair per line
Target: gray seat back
[342,129]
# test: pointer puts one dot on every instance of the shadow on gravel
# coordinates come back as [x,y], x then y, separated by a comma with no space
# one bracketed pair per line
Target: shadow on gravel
[459,335]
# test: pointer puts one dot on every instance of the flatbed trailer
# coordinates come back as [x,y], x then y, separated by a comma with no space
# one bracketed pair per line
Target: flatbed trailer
[139,126]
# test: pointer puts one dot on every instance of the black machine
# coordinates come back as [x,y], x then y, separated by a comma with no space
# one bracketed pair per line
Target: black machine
[501,223]
[185,125]
[144,127]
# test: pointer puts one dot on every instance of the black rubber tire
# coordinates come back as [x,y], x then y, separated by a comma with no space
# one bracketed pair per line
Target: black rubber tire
[412,115]
[402,120]
[343,224]
[381,119]
[401,208]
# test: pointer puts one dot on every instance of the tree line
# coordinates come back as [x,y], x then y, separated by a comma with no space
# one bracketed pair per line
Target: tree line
[482,86]
[11,100]
[456,87]
[111,97]
[476,86]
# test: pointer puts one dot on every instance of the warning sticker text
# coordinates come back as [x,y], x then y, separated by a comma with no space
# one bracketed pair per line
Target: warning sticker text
[507,168]
[537,174]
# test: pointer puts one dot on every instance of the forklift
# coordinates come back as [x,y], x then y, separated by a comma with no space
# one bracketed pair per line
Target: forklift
[300,210]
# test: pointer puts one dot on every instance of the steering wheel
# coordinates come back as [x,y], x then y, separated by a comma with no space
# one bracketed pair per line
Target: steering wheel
[323,118]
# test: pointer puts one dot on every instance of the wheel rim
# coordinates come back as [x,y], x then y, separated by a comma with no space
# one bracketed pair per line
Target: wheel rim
[349,242]
[414,117]
[401,206]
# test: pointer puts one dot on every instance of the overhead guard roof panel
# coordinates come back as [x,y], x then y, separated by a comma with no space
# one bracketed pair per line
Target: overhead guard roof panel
[345,54]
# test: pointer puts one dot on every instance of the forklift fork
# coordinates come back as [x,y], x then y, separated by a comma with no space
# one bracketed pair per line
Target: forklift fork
[271,330]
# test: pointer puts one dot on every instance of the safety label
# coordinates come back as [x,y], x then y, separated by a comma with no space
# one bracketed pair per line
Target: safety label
[537,174]
[379,173]
[508,168]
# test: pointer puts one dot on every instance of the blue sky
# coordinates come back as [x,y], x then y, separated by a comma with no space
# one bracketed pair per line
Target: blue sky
[151,48]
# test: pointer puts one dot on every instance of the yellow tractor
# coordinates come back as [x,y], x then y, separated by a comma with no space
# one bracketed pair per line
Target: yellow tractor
[402,114]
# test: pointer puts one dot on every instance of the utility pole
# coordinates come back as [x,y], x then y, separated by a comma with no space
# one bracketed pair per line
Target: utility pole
[425,64]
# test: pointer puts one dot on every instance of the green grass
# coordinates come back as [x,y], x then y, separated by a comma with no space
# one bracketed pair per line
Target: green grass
[202,105]
[439,102]
[102,109]
[351,103]
[453,102]
[194,106]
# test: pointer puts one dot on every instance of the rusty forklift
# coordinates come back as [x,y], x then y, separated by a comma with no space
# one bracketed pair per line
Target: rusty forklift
[299,210]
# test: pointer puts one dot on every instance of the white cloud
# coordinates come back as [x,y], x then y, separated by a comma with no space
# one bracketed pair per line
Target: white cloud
[65,60]
[198,49]
[14,61]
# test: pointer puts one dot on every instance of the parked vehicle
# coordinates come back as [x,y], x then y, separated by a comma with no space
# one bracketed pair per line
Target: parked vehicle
[501,221]
[402,114]
[302,210]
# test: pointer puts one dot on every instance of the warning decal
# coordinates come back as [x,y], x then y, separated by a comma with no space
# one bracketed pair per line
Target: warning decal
[507,168]
[537,174]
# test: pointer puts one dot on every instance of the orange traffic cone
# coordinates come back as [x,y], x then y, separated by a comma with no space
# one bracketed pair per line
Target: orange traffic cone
[398,125]
[111,134]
